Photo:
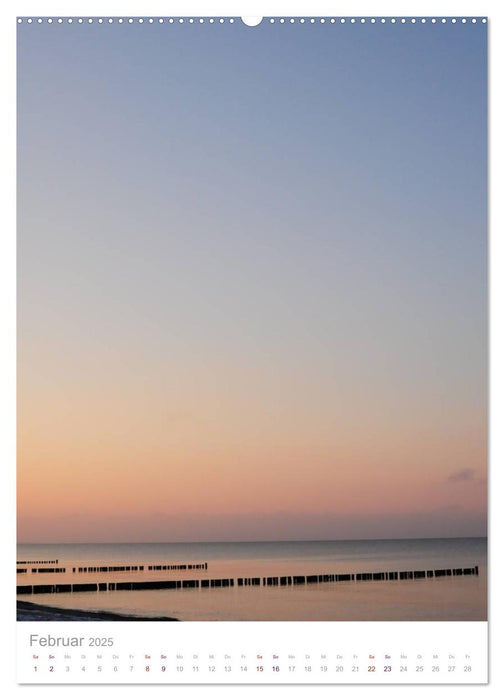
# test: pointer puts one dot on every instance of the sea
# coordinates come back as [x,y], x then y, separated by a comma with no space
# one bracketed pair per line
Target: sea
[439,598]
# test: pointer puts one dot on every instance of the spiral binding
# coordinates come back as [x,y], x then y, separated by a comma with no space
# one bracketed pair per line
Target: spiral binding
[266,20]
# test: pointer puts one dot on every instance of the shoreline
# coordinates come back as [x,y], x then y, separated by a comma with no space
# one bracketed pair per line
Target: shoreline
[34,612]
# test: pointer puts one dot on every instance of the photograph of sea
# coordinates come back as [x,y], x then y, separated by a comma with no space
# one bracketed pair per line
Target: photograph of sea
[261,580]
[252,333]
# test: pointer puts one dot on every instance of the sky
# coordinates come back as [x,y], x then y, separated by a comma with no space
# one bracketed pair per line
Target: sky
[252,285]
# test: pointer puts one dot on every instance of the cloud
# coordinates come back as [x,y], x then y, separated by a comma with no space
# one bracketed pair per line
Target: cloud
[463,475]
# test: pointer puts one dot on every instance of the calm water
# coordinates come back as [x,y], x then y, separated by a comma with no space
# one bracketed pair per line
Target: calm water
[453,598]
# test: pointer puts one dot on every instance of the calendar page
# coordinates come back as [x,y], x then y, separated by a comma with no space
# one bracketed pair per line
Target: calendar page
[252,348]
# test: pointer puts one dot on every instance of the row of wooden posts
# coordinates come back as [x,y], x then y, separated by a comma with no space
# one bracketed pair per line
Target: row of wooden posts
[43,570]
[39,561]
[102,569]
[253,581]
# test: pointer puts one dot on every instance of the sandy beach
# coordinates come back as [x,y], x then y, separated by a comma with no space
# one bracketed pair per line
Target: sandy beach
[32,612]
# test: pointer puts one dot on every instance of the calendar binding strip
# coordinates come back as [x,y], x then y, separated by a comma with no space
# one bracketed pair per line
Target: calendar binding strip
[308,21]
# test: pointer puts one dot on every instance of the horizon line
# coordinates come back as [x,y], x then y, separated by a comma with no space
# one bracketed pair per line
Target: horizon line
[360,539]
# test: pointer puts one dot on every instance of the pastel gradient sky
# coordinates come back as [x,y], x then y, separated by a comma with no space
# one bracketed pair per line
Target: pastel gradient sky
[252,282]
